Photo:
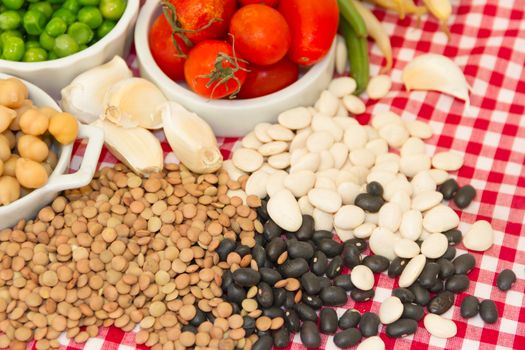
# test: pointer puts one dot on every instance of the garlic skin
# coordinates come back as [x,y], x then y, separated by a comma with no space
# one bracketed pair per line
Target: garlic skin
[191,139]
[133,102]
[84,96]
[436,73]
[136,147]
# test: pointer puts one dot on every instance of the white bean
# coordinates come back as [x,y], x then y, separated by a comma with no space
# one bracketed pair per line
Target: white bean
[319,141]
[280,161]
[394,134]
[439,326]
[247,160]
[280,133]
[379,86]
[341,55]
[440,219]
[419,129]
[328,103]
[296,118]
[284,210]
[449,161]
[412,271]
[383,118]
[327,200]
[261,132]
[348,192]
[349,217]
[479,237]
[327,161]
[256,184]
[355,137]
[300,183]
[342,86]
[299,141]
[272,148]
[323,220]
[251,141]
[339,153]
[354,104]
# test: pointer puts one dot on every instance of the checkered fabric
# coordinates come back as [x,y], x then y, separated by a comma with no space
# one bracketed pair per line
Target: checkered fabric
[488,43]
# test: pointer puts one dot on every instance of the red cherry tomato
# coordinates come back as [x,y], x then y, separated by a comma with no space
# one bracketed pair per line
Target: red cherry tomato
[263,80]
[313,24]
[164,50]
[213,71]
[200,20]
[271,3]
[260,33]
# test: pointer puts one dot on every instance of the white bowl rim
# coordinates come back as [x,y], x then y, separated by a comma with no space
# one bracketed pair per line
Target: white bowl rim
[146,58]
[132,8]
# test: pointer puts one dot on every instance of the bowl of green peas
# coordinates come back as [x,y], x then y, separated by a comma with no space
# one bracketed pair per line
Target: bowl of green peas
[50,42]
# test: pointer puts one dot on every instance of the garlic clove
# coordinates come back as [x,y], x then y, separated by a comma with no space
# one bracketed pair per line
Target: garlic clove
[191,139]
[84,96]
[136,147]
[436,73]
[133,102]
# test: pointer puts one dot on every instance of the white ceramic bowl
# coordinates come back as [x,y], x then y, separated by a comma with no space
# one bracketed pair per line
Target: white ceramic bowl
[230,117]
[29,205]
[53,75]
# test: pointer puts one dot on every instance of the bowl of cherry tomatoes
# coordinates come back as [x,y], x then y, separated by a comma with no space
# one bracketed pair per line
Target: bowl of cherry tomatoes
[237,63]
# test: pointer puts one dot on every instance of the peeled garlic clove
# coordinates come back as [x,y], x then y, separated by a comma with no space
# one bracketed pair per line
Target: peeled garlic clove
[136,147]
[436,73]
[191,139]
[84,97]
[133,102]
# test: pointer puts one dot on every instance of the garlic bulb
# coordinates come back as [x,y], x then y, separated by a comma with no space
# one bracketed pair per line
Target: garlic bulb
[133,102]
[136,147]
[437,73]
[84,96]
[191,139]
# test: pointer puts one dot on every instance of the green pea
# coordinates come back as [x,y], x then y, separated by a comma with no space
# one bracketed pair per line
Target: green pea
[66,15]
[32,44]
[112,9]
[10,20]
[71,5]
[52,56]
[47,41]
[13,49]
[44,7]
[105,28]
[65,45]
[13,4]
[91,16]
[56,26]
[82,47]
[80,32]
[8,34]
[89,2]
[34,22]
[35,54]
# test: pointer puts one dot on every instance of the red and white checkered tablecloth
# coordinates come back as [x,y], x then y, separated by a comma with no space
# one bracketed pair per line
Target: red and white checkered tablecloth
[488,43]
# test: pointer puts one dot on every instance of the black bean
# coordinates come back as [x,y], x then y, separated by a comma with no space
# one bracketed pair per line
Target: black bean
[324,281]
[265,342]
[446,268]
[259,240]
[464,263]
[413,311]
[469,306]
[236,308]
[457,283]
[376,263]
[454,236]
[279,296]
[227,279]
[328,321]
[242,250]
[464,196]
[344,281]
[189,328]
[246,277]
[374,188]
[269,275]
[265,295]
[361,295]
[259,255]
[448,188]
[396,267]
[249,322]
[292,320]
[299,249]
[334,267]
[199,318]
[333,296]
[422,296]
[488,311]
[262,211]
[404,294]
[310,336]
[349,319]
[225,247]
[429,275]
[289,302]
[294,267]
[273,312]
[330,247]
[358,243]
[313,301]
[506,279]
[306,231]
[235,294]
[320,235]
[347,338]
[310,283]
[281,338]
[210,317]
[368,202]
[305,312]
[319,263]
[369,324]
[351,256]
[441,303]
[271,230]
[437,287]
[401,328]
[450,253]
[275,248]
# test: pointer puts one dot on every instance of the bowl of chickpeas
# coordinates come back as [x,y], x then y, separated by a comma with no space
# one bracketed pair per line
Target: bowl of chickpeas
[49,43]
[36,143]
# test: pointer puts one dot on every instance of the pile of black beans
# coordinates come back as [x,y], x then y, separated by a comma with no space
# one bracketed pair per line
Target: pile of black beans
[462,196]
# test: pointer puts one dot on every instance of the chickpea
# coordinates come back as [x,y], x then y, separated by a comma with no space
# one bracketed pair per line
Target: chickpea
[5,150]
[64,127]
[30,174]
[12,93]
[6,117]
[9,190]
[48,111]
[11,138]
[34,122]
[10,165]
[31,147]
[27,105]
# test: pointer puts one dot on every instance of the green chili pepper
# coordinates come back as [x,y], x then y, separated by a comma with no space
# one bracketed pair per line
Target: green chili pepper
[357,55]
[353,18]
